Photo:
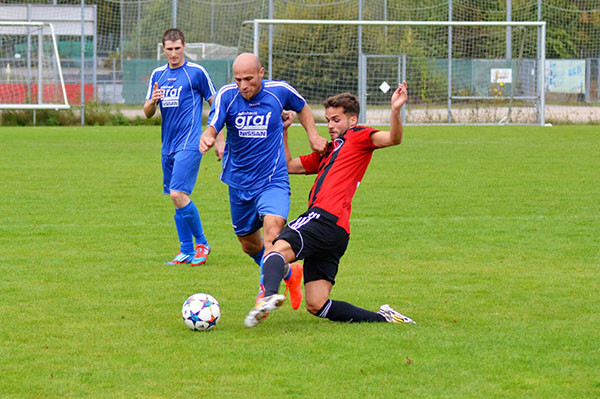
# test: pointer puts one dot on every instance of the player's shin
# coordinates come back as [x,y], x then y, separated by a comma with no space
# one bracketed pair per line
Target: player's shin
[258,257]
[192,218]
[184,233]
[346,312]
[272,272]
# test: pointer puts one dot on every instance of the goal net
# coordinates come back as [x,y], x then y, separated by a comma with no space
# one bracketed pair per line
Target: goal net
[30,71]
[457,72]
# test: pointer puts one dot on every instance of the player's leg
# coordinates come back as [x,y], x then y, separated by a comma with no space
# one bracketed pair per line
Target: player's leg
[317,294]
[272,226]
[319,304]
[246,223]
[328,244]
[290,244]
[274,265]
[319,279]
[252,245]
[291,273]
[185,173]
[273,204]
[272,272]
[186,239]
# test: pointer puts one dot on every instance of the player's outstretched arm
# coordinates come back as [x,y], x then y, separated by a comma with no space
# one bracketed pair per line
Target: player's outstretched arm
[317,143]
[294,165]
[150,105]
[394,135]
[207,140]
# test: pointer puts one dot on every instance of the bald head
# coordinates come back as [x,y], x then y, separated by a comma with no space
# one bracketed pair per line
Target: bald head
[248,74]
[246,61]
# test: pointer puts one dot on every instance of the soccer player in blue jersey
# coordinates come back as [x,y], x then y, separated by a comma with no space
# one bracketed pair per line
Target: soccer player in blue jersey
[179,88]
[254,164]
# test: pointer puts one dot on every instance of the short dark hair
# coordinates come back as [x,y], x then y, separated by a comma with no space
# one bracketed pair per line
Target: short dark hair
[173,35]
[347,101]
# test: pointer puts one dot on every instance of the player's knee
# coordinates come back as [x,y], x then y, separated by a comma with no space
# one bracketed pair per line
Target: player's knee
[272,229]
[311,309]
[180,199]
[313,306]
[251,248]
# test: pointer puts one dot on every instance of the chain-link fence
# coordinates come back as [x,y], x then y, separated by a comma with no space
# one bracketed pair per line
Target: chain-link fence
[122,51]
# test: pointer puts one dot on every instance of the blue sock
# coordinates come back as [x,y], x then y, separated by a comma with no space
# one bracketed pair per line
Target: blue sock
[184,233]
[192,218]
[258,257]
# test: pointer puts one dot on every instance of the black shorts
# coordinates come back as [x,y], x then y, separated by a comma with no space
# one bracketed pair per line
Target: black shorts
[316,238]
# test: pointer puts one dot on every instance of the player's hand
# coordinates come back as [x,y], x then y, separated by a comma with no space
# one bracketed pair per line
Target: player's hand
[318,144]
[157,93]
[206,142]
[288,118]
[400,96]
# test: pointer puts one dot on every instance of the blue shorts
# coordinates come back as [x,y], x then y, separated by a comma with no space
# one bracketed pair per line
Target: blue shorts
[248,207]
[180,171]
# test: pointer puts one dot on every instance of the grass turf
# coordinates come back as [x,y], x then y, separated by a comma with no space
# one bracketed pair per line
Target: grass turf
[489,237]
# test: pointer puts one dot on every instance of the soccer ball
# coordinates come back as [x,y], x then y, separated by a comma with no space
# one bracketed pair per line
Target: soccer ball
[201,312]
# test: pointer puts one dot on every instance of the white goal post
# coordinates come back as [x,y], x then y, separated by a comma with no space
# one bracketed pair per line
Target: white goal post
[458,72]
[31,76]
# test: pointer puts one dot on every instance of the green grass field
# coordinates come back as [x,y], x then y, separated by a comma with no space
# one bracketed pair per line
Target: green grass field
[489,237]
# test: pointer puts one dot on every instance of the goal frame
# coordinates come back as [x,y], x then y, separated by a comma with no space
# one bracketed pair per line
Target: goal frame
[40,105]
[539,97]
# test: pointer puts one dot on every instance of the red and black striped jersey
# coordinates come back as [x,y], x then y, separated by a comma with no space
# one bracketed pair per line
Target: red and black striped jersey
[339,172]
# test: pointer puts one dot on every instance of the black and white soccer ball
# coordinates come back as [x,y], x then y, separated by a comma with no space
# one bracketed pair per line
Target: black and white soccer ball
[201,312]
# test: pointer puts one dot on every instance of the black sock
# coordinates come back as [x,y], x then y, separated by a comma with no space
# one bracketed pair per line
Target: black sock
[344,311]
[273,270]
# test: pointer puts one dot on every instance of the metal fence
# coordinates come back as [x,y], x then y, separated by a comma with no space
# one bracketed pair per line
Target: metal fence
[121,51]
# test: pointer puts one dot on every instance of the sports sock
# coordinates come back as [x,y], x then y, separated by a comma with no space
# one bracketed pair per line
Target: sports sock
[287,272]
[258,257]
[192,218]
[272,272]
[184,233]
[344,311]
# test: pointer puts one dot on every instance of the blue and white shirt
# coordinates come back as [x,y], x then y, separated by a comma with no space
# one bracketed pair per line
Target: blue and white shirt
[181,108]
[254,153]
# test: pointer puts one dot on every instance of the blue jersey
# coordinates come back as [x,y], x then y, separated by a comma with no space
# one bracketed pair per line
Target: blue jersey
[181,107]
[254,153]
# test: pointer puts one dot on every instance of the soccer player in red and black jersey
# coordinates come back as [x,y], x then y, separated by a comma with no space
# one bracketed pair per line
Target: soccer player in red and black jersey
[320,235]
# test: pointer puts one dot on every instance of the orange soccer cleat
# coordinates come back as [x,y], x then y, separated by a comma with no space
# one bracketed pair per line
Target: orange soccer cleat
[293,285]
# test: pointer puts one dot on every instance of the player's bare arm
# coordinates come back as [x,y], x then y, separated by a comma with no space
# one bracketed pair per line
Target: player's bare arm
[294,165]
[207,140]
[220,140]
[317,143]
[394,135]
[150,105]
[220,145]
